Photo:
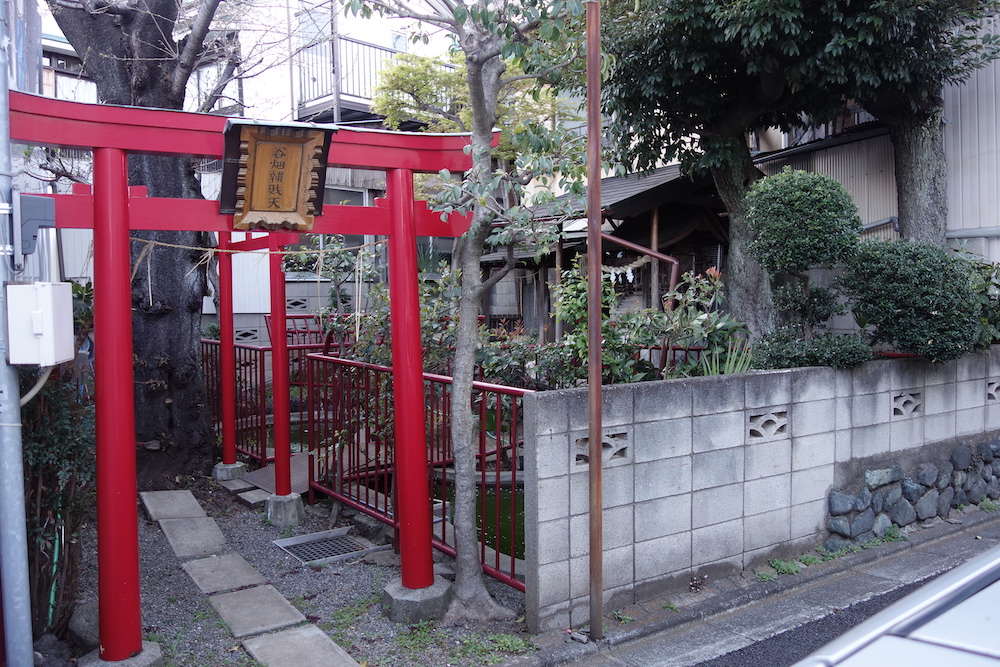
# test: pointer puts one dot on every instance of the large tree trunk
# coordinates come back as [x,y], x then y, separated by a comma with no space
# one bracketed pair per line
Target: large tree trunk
[921,172]
[129,53]
[747,284]
[470,599]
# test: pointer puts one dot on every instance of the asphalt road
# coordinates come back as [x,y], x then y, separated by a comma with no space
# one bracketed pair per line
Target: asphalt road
[789,647]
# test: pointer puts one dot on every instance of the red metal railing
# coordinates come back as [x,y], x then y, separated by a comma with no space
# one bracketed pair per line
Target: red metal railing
[253,393]
[351,454]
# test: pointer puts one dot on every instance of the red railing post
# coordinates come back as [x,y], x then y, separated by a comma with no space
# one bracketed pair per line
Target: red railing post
[279,378]
[117,516]
[227,352]
[413,510]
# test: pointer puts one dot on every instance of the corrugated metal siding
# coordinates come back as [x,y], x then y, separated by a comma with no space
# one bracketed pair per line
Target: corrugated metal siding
[971,148]
[863,167]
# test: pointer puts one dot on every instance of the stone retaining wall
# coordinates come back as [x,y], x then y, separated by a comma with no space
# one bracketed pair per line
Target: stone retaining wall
[717,474]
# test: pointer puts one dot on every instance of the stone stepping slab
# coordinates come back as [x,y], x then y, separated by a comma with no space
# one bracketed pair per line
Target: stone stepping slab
[263,478]
[236,485]
[304,646]
[222,573]
[171,505]
[194,536]
[253,611]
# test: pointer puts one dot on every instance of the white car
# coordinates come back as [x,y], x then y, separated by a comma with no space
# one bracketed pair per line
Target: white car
[954,621]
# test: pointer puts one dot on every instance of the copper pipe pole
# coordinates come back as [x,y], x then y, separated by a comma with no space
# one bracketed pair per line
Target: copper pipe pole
[594,313]
[654,273]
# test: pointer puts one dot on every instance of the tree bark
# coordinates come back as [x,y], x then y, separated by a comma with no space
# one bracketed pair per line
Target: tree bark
[470,599]
[921,173]
[130,54]
[747,284]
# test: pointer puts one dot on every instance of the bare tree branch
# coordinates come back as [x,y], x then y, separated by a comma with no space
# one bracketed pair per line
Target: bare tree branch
[227,75]
[192,47]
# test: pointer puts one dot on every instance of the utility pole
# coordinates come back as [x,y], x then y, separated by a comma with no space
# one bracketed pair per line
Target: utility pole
[13,533]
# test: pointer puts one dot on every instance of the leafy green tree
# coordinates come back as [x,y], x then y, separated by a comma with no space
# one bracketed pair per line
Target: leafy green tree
[691,78]
[895,57]
[530,37]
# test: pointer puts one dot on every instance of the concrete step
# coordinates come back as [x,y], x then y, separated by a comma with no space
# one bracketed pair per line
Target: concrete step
[171,505]
[216,574]
[304,646]
[199,536]
[253,611]
[264,477]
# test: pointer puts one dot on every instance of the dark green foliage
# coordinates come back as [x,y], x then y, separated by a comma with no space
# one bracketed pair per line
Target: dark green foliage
[920,298]
[819,305]
[800,220]
[784,349]
[58,442]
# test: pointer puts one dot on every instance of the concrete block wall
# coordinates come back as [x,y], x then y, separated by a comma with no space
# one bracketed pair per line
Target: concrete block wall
[717,474]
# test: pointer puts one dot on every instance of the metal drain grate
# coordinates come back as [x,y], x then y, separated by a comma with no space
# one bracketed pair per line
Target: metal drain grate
[330,545]
[322,549]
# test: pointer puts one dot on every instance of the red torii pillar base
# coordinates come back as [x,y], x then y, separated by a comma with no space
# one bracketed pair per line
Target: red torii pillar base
[411,605]
[150,656]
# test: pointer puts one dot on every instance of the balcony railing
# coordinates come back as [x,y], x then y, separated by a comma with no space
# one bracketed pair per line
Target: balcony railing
[359,63]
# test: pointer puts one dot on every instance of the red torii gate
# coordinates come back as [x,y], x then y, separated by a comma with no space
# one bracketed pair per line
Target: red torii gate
[112,208]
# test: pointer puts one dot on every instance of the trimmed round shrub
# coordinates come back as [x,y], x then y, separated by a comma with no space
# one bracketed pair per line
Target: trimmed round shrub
[921,298]
[799,220]
[784,349]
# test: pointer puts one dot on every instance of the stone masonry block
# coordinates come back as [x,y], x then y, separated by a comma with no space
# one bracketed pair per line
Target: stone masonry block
[667,477]
[619,566]
[843,439]
[872,378]
[579,577]
[717,468]
[662,440]
[939,427]
[993,417]
[553,583]
[972,366]
[616,408]
[716,542]
[813,384]
[814,450]
[662,556]
[555,543]
[844,382]
[765,388]
[716,505]
[808,518]
[870,440]
[907,373]
[944,373]
[869,409]
[811,484]
[553,455]
[656,401]
[768,458]
[813,417]
[767,494]
[718,431]
[993,361]
[617,489]
[662,516]
[616,530]
[906,433]
[843,418]
[552,497]
[939,398]
[717,393]
[768,529]
[970,422]
[549,410]
[969,394]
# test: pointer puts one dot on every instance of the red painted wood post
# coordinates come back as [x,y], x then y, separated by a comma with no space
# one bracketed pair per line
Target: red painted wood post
[117,516]
[227,351]
[413,510]
[281,409]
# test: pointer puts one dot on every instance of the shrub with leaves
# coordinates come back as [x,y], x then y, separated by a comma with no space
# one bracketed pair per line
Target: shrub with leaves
[921,298]
[784,349]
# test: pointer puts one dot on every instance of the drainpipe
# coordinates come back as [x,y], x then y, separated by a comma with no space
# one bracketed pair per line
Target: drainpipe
[13,533]
[594,374]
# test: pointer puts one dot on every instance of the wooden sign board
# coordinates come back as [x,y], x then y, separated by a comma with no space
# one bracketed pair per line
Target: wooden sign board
[278,182]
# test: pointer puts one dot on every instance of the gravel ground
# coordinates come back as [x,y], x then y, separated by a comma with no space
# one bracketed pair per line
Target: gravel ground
[341,598]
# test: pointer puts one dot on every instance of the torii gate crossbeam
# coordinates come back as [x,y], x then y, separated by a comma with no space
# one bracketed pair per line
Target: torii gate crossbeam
[111,209]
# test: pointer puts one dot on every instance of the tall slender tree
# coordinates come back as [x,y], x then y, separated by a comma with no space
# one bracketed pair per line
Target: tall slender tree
[491,35]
